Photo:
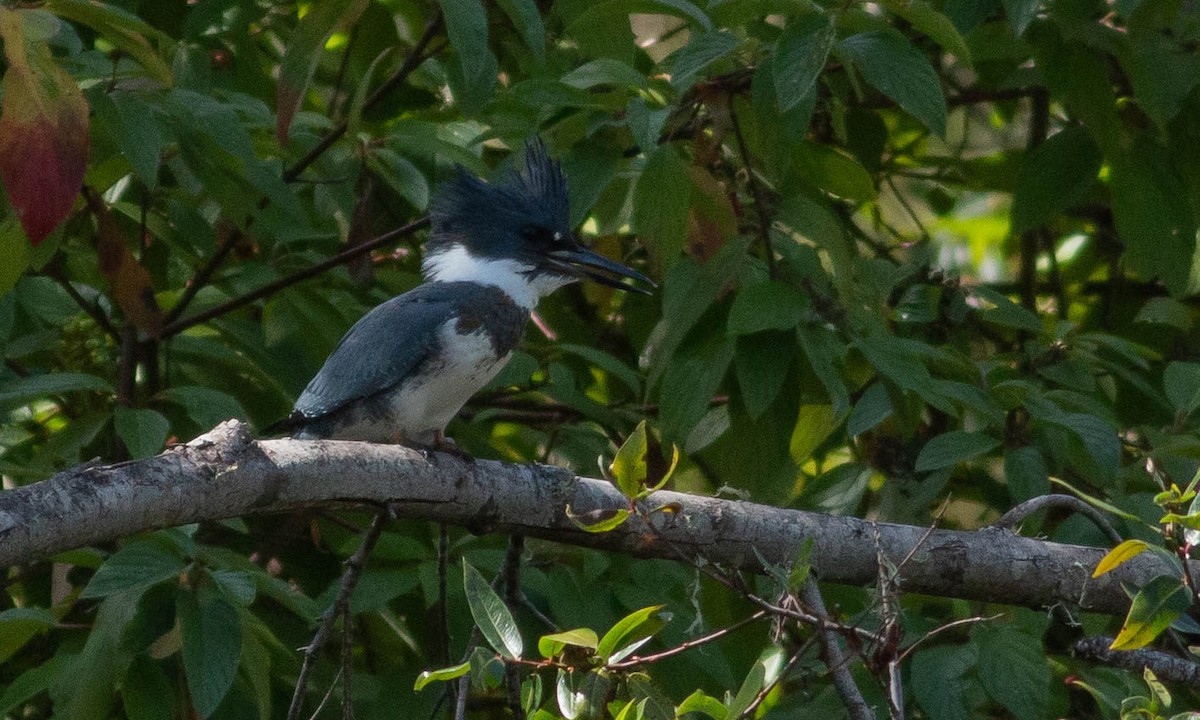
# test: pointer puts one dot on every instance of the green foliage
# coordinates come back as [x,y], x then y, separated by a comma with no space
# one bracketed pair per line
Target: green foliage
[912,255]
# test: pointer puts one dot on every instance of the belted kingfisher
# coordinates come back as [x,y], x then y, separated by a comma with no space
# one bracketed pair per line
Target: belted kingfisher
[406,368]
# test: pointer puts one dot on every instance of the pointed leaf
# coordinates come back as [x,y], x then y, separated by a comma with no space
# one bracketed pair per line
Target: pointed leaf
[211,631]
[303,52]
[897,69]
[130,281]
[951,448]
[628,468]
[799,58]
[635,626]
[598,521]
[491,614]
[43,125]
[442,674]
[553,644]
[1118,555]
[1153,610]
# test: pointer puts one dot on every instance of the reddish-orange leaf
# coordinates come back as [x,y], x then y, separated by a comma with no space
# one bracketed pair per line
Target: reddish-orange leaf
[131,286]
[43,125]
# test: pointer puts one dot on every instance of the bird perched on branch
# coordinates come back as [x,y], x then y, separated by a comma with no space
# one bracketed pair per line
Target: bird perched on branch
[407,367]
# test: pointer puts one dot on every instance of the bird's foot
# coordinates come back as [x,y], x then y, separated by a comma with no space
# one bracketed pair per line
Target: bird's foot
[447,445]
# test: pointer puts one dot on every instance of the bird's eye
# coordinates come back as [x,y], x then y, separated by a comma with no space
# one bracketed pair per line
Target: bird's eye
[540,236]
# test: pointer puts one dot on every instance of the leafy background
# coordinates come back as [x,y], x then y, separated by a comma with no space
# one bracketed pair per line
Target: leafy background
[918,261]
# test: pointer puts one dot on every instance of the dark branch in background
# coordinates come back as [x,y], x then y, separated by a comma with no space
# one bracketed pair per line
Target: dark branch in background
[1031,239]
[1167,667]
[285,282]
[203,275]
[226,473]
[54,270]
[412,61]
[1070,502]
[831,652]
[339,607]
[764,218]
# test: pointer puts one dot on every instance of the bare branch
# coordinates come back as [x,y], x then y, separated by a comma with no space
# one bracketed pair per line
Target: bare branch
[1070,502]
[226,473]
[1167,667]
[831,651]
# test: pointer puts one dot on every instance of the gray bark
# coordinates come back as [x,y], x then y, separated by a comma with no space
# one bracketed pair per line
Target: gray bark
[226,473]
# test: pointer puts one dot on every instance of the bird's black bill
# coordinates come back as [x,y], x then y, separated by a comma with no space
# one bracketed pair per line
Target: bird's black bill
[593,266]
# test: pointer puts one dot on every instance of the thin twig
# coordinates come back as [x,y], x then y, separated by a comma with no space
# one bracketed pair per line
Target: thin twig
[346,255]
[766,690]
[764,220]
[943,628]
[687,644]
[1070,502]
[353,571]
[832,652]
[203,275]
[443,611]
[325,700]
[347,664]
[411,62]
[92,309]
[512,598]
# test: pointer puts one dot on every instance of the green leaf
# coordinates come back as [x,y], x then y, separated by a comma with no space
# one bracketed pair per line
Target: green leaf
[1159,311]
[303,51]
[29,684]
[571,702]
[937,681]
[766,306]
[703,704]
[1153,610]
[897,69]
[1054,176]
[211,632]
[1181,380]
[825,352]
[872,408]
[21,391]
[835,172]
[143,431]
[19,625]
[146,692]
[491,614]
[949,449]
[692,379]
[630,630]
[750,688]
[1013,671]
[138,134]
[999,309]
[1020,13]
[140,564]
[467,27]
[1119,555]
[800,55]
[628,468]
[531,693]
[528,22]
[441,675]
[401,175]
[801,566]
[141,41]
[761,363]
[598,521]
[660,203]
[205,406]
[1025,470]
[603,71]
[551,645]
[933,24]
[14,248]
[1153,217]
[702,50]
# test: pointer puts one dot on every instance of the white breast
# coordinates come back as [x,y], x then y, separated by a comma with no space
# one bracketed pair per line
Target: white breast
[423,407]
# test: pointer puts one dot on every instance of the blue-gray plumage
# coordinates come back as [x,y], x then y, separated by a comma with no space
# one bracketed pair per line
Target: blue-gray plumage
[407,367]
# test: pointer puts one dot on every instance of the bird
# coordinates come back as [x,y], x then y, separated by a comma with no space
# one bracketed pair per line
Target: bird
[405,369]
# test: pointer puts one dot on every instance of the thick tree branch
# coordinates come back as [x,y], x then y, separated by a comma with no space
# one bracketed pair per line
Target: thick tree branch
[227,473]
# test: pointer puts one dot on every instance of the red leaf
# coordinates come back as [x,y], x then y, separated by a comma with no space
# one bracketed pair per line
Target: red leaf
[43,125]
[130,281]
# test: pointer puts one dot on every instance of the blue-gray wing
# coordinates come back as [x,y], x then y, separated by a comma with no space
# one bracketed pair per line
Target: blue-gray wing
[381,349]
